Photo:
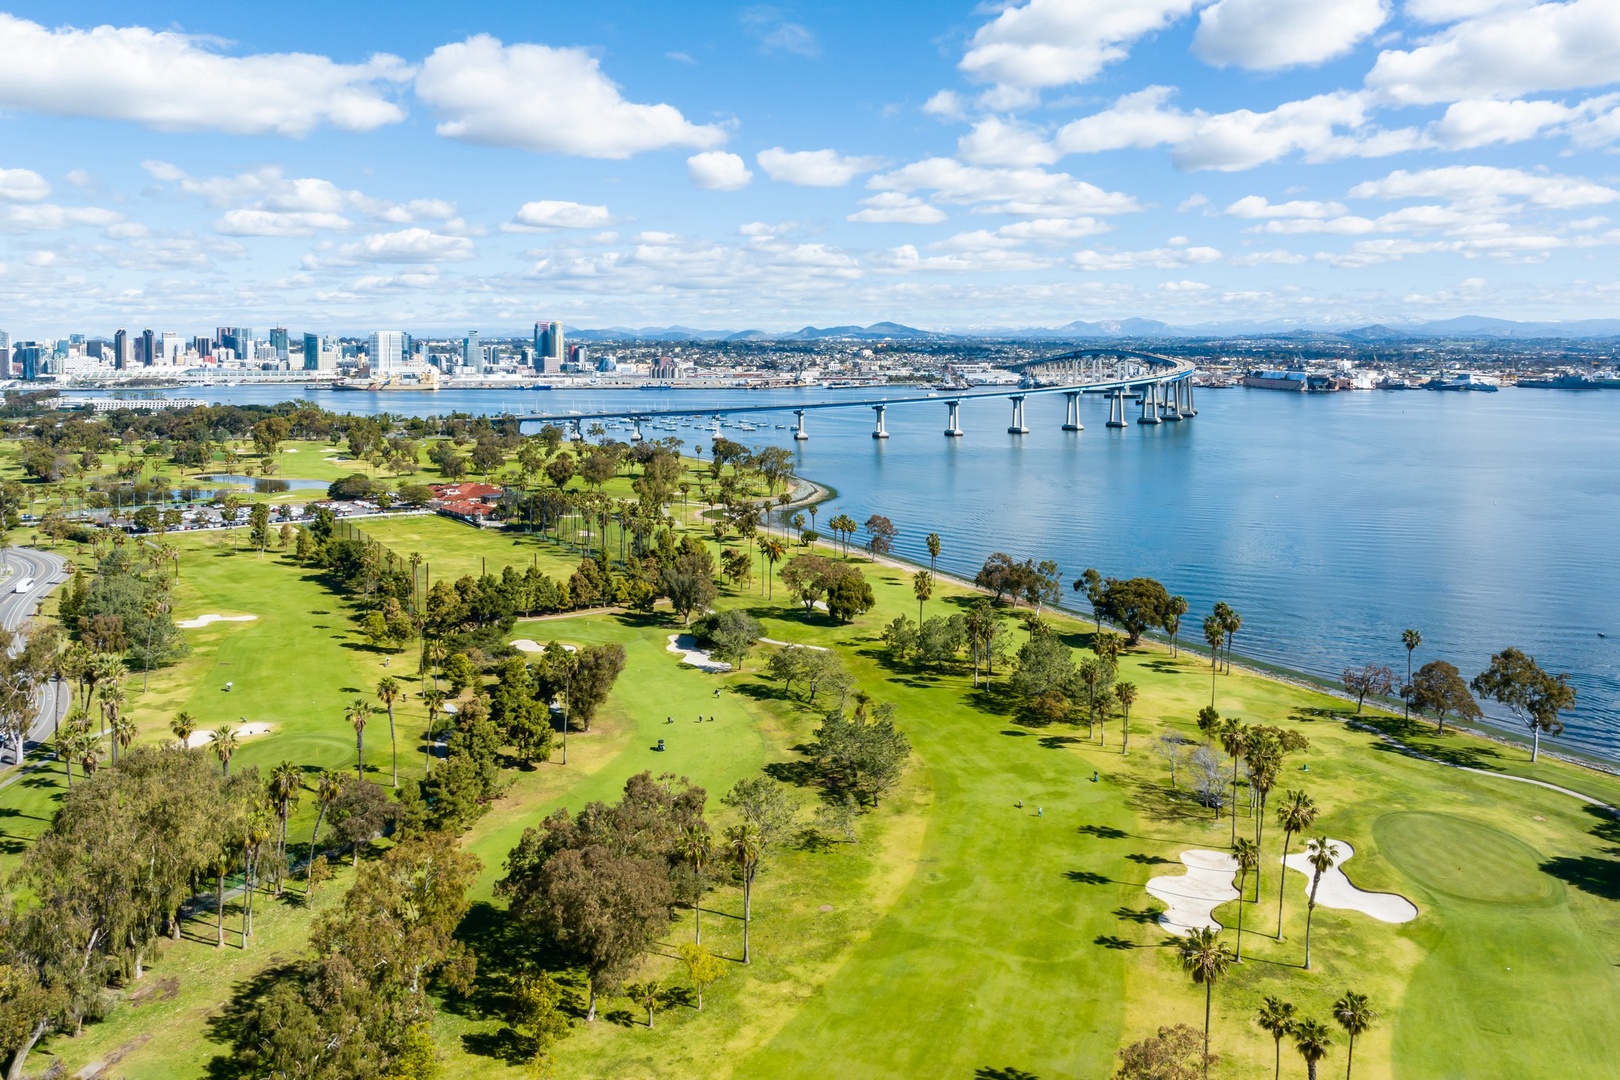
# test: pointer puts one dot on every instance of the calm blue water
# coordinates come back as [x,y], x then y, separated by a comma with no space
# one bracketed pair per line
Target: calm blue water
[1331,522]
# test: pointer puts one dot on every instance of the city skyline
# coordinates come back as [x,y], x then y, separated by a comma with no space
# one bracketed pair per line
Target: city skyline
[756,167]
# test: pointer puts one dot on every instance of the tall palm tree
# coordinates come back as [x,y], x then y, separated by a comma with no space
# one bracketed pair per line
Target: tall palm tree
[747,846]
[388,692]
[286,780]
[327,789]
[1355,1015]
[1411,639]
[123,731]
[1277,1018]
[1231,622]
[773,551]
[1214,635]
[224,740]
[357,715]
[1235,741]
[1247,854]
[1295,815]
[74,741]
[1172,621]
[1125,694]
[922,586]
[1205,957]
[1312,1039]
[932,540]
[1323,856]
[693,846]
[433,699]
[183,725]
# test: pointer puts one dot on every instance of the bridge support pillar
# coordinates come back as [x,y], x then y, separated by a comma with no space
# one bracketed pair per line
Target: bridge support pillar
[799,434]
[1018,427]
[1172,402]
[879,432]
[1071,411]
[953,425]
[635,436]
[1116,409]
[1150,405]
[1188,409]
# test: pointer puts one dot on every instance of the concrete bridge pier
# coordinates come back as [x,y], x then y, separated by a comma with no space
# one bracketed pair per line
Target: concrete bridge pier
[1018,426]
[879,432]
[1150,405]
[1172,403]
[1071,411]
[1116,409]
[799,434]
[1187,409]
[953,425]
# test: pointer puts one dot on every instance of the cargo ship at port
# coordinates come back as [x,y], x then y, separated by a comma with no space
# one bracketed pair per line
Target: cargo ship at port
[1569,382]
[1298,382]
[1464,380]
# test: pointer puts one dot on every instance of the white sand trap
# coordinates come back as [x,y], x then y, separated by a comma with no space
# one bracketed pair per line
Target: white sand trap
[685,645]
[1337,892]
[1191,898]
[204,738]
[791,645]
[529,645]
[203,620]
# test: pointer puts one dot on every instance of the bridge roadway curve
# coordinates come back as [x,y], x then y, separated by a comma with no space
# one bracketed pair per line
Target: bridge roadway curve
[1163,371]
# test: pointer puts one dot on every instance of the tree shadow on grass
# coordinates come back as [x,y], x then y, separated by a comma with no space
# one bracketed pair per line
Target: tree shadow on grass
[1002,1072]
[1058,742]
[1142,916]
[1588,873]
[1119,944]
[798,773]
[1607,828]
[1142,859]
[230,1025]
[1103,832]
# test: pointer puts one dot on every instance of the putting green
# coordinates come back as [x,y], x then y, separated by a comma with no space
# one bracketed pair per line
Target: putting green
[1464,858]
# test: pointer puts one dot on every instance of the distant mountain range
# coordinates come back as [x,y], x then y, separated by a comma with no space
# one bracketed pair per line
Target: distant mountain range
[1466,326]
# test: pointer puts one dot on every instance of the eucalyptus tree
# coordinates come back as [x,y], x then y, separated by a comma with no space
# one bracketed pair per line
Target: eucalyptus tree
[1296,815]
[1438,687]
[1205,958]
[1535,697]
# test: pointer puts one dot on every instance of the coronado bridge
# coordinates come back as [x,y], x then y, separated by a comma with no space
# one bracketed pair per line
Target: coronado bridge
[1161,385]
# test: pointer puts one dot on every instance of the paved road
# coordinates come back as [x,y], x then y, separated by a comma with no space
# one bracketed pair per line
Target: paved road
[48,571]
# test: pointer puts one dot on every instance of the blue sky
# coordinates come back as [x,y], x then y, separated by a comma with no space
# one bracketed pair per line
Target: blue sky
[343,166]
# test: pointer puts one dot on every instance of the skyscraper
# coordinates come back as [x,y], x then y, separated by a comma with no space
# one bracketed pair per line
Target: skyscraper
[122,357]
[5,347]
[387,351]
[31,355]
[148,347]
[312,352]
[278,341]
[472,353]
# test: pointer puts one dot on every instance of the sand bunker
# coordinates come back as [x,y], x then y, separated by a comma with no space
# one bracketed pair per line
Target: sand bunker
[529,645]
[203,620]
[791,645]
[1191,898]
[685,645]
[1337,892]
[205,738]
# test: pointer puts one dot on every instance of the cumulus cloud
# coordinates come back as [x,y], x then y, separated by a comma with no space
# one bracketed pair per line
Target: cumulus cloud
[278,223]
[22,185]
[1507,54]
[178,82]
[1256,206]
[1022,192]
[1046,43]
[1163,258]
[1266,35]
[947,105]
[813,168]
[1484,182]
[776,33]
[994,141]
[893,208]
[535,97]
[1468,124]
[264,202]
[559,214]
[1138,120]
[45,217]
[416,245]
[717,170]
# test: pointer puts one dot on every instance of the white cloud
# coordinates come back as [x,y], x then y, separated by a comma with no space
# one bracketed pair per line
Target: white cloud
[1256,206]
[535,97]
[1054,230]
[178,82]
[1136,120]
[1164,258]
[1023,192]
[1444,11]
[717,170]
[813,168]
[43,217]
[994,141]
[22,185]
[1266,35]
[947,105]
[893,208]
[416,245]
[1473,183]
[776,34]
[559,214]
[1046,43]
[1274,257]
[278,223]
[1506,54]
[1468,124]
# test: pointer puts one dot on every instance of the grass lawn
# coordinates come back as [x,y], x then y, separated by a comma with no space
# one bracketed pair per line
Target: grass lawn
[963,935]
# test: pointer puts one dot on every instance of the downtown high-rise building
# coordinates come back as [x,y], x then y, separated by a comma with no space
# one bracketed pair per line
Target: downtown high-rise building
[549,347]
[387,352]
[123,354]
[278,342]
[472,352]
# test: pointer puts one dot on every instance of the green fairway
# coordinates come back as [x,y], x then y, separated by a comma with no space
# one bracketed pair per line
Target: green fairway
[963,935]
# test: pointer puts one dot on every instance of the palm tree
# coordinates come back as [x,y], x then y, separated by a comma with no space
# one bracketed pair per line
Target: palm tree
[747,846]
[1205,957]
[1125,694]
[1214,635]
[1411,639]
[693,846]
[648,995]
[1231,622]
[1277,1018]
[773,551]
[222,863]
[1172,620]
[1323,856]
[922,586]
[74,741]
[1247,854]
[358,713]
[224,741]
[388,692]
[183,725]
[1355,1015]
[123,731]
[1295,815]
[329,787]
[1235,741]
[286,780]
[1312,1039]
[932,540]
[433,698]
